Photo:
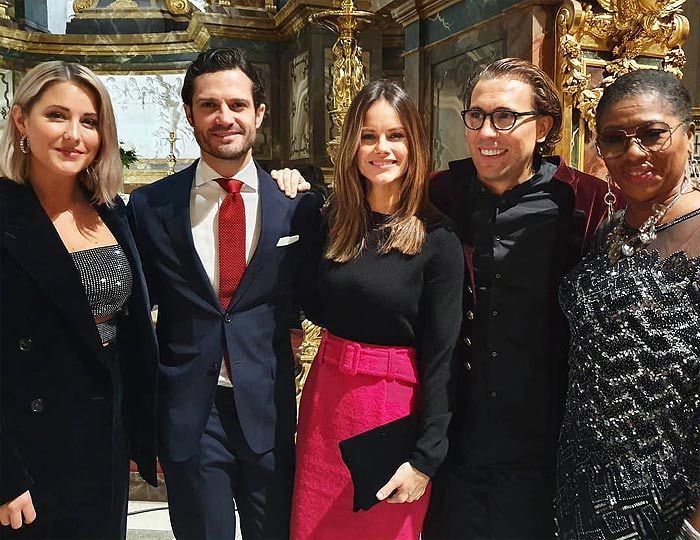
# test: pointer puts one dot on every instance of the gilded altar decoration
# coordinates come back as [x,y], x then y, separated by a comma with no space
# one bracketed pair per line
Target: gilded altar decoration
[123,4]
[178,7]
[600,41]
[81,5]
[348,73]
[307,353]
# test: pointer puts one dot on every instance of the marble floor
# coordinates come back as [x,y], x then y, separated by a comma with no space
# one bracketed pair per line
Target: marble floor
[149,520]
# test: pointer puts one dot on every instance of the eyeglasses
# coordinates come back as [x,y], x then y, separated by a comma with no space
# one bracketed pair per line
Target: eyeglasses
[651,137]
[501,119]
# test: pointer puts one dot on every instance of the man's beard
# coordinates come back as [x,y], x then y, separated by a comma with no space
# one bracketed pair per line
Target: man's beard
[230,151]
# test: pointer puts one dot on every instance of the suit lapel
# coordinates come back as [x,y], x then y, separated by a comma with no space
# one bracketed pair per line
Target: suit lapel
[32,240]
[176,217]
[273,211]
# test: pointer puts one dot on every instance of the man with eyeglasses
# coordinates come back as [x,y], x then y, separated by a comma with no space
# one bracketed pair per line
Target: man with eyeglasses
[525,220]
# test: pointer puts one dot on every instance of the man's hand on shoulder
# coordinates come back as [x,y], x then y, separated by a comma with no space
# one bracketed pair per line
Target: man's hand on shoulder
[290,182]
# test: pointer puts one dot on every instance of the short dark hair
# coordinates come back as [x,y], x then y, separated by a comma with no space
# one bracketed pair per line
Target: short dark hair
[547,100]
[643,82]
[215,60]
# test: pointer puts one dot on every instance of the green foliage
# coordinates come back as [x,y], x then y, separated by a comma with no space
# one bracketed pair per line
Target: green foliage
[127,155]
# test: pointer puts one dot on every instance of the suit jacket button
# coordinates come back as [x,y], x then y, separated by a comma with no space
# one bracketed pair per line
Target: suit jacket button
[228,318]
[37,405]
[25,344]
[214,369]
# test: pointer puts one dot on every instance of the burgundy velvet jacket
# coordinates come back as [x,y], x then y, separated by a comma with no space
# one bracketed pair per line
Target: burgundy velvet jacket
[447,194]
[469,443]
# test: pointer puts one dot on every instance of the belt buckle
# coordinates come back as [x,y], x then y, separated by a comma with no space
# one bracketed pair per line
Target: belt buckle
[351,356]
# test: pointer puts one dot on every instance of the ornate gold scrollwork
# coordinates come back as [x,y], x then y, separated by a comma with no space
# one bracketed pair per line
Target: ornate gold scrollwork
[628,28]
[123,4]
[81,5]
[307,353]
[178,7]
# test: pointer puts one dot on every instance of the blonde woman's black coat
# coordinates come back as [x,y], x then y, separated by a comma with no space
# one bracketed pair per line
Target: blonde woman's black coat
[58,395]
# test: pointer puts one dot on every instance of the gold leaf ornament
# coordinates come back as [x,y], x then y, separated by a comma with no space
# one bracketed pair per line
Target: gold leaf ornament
[178,7]
[81,5]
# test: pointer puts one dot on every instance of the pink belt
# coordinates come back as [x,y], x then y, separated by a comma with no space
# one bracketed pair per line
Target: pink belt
[352,357]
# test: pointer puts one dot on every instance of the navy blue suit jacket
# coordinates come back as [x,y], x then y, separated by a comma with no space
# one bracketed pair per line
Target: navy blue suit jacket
[193,329]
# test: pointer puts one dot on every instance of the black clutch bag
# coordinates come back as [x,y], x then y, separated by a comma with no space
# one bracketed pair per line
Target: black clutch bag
[373,457]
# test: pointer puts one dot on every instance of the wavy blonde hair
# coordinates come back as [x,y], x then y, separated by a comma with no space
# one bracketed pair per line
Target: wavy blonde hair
[349,212]
[103,177]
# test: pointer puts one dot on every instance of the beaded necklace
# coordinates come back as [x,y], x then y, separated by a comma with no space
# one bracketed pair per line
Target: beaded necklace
[625,242]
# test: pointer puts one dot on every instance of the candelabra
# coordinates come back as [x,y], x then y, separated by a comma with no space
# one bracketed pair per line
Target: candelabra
[171,159]
[348,73]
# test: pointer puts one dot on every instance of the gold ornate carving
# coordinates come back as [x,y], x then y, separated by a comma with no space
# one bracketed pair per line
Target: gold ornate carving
[123,4]
[178,7]
[270,6]
[627,28]
[348,74]
[81,5]
[6,10]
[307,353]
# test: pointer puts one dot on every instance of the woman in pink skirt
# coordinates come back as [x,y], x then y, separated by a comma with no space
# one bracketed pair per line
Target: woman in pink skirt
[388,284]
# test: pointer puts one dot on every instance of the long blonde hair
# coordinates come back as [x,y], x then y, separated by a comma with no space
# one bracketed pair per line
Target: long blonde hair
[103,178]
[349,212]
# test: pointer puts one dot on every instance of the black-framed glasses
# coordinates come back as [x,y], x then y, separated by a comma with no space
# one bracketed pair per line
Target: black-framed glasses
[651,137]
[501,119]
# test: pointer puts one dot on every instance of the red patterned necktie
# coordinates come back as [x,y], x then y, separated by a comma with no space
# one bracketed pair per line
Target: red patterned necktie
[232,260]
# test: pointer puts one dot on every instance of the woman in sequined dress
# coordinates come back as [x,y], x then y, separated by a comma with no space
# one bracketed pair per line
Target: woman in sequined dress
[630,441]
[79,359]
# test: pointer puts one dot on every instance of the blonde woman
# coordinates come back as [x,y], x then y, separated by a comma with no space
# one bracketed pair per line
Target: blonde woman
[386,282]
[78,353]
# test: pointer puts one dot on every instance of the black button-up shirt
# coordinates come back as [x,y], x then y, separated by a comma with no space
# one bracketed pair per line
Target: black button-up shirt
[517,373]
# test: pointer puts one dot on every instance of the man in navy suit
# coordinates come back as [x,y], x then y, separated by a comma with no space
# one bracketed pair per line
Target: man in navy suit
[221,263]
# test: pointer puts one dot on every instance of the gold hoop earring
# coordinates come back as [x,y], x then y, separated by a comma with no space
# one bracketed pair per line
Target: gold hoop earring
[24,144]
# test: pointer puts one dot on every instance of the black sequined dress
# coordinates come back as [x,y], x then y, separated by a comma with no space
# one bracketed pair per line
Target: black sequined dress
[629,445]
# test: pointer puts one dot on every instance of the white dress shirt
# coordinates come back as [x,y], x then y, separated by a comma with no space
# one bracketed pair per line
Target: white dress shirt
[206,197]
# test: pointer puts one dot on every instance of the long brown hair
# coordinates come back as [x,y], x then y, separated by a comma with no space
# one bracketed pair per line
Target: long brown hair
[349,212]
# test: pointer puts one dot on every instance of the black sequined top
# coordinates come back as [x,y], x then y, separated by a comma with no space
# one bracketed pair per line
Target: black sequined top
[630,441]
[106,276]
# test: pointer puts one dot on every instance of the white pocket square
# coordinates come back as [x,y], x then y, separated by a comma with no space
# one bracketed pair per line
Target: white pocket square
[287,240]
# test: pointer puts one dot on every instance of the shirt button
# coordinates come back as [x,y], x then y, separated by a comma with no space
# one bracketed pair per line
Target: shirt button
[467,366]
[467,341]
[494,354]
[493,394]
[228,318]
[470,315]
[498,276]
[25,344]
[497,238]
[37,405]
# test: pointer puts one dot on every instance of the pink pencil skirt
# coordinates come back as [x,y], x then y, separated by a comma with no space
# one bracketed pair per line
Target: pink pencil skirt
[352,387]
